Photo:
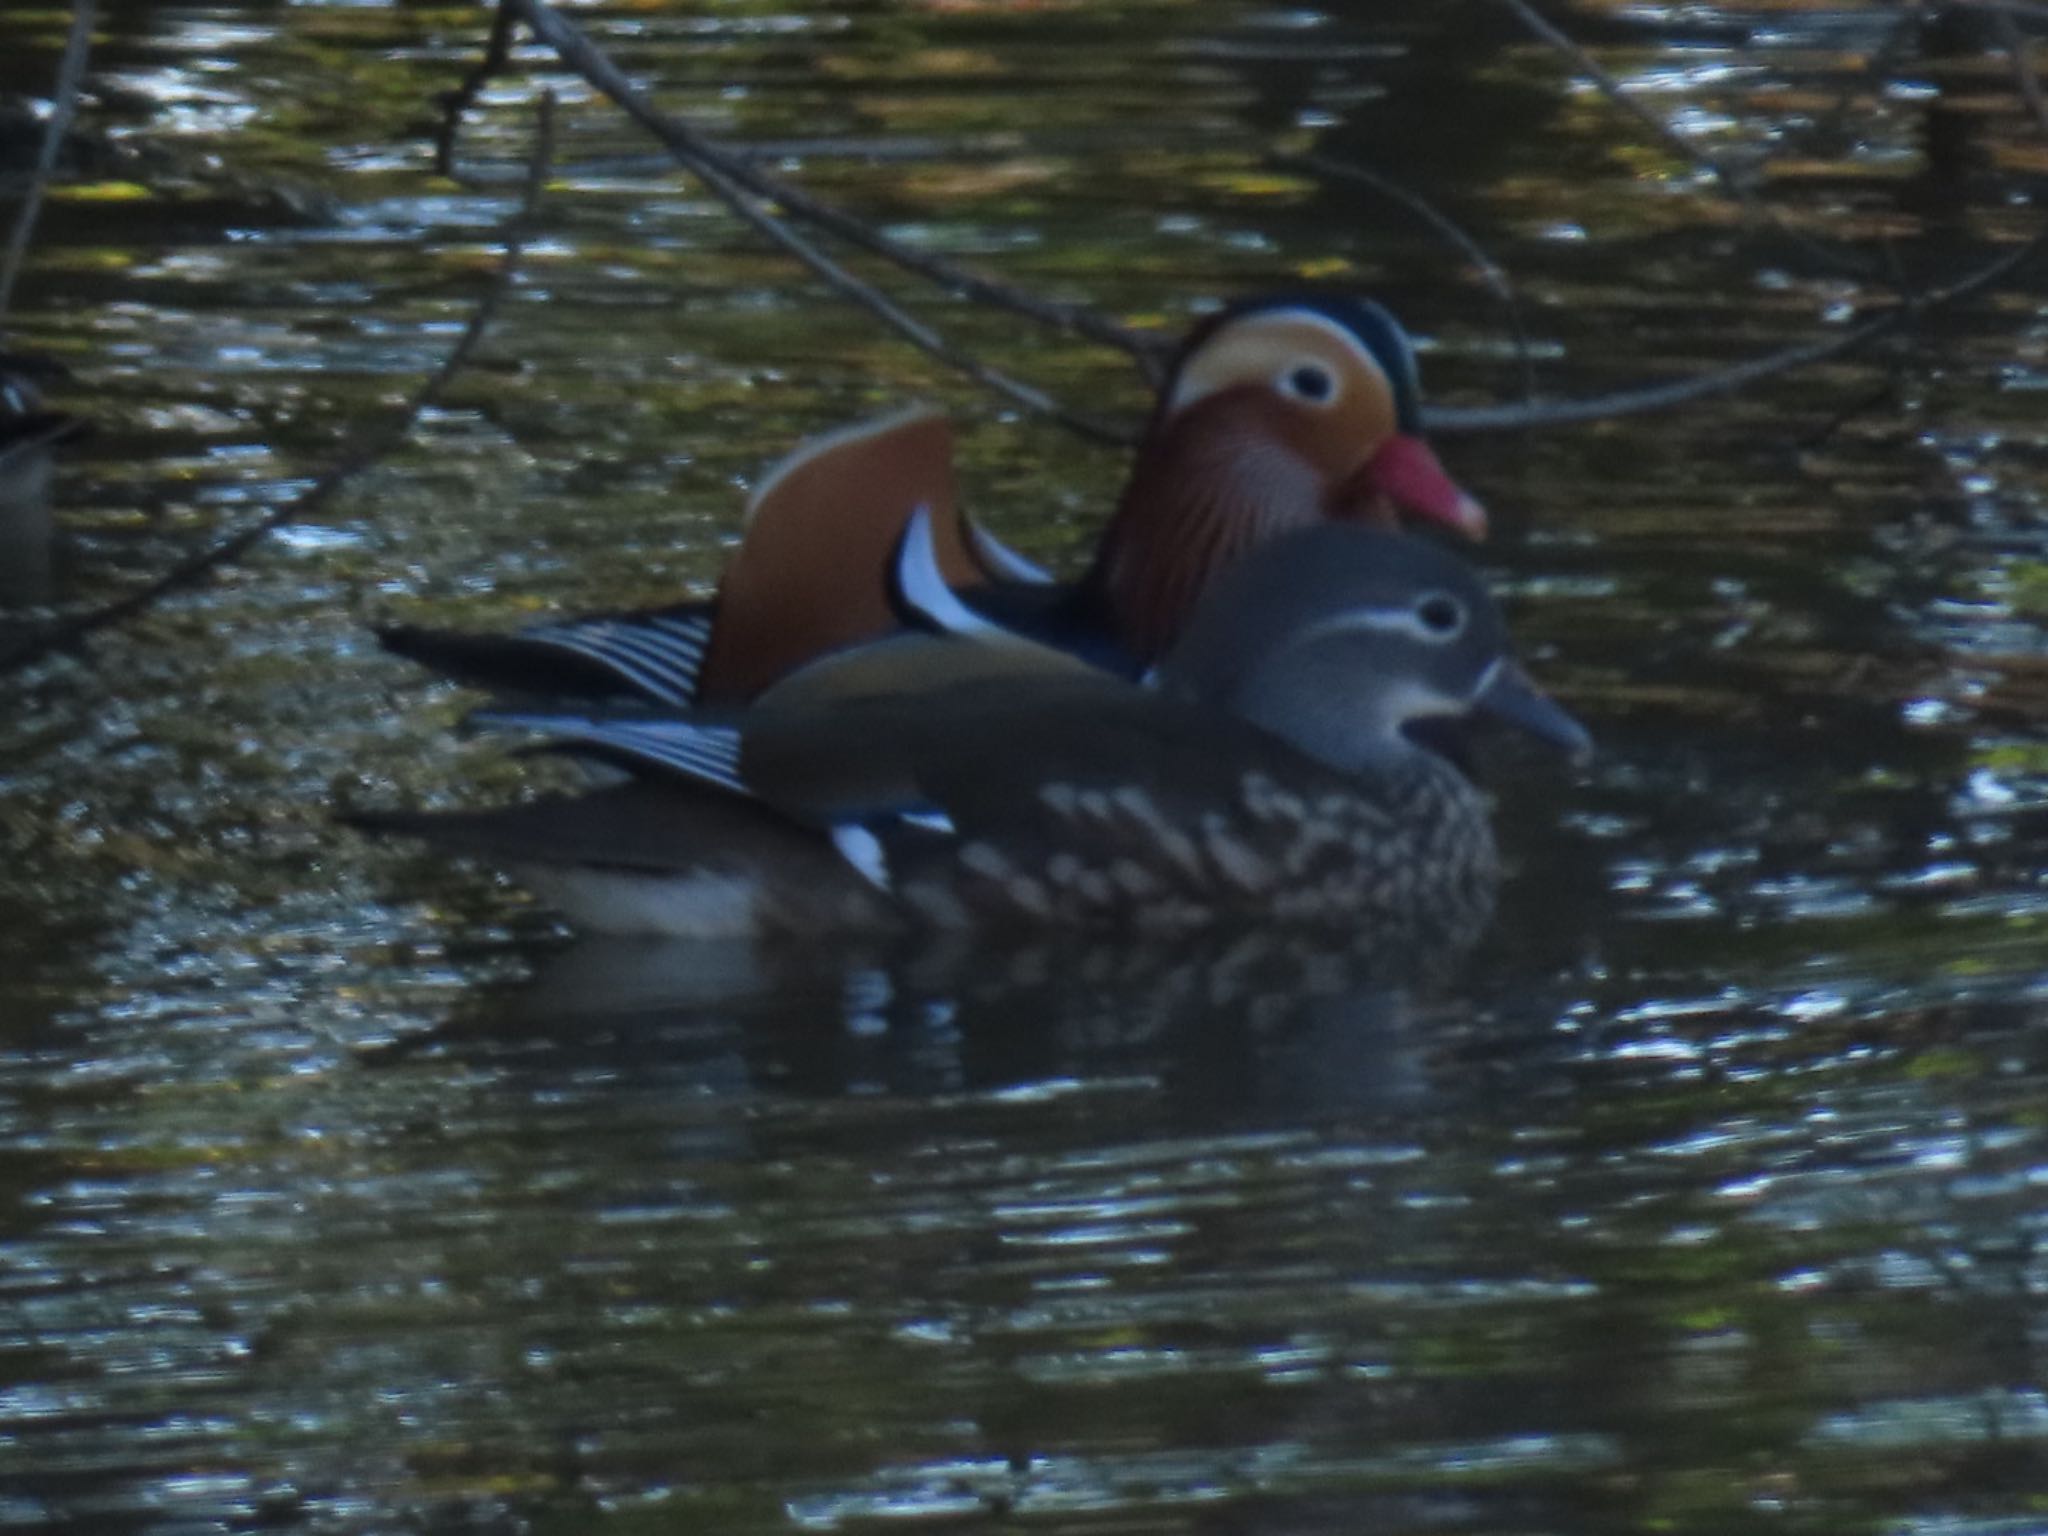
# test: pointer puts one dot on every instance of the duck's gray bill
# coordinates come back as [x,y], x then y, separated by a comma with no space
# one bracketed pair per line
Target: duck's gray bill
[1510,696]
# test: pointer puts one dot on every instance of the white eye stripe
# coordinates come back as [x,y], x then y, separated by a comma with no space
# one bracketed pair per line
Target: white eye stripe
[1197,381]
[1405,620]
[922,585]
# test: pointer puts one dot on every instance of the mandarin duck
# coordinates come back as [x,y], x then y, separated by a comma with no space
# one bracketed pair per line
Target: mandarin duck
[28,430]
[1264,768]
[1277,413]
[29,436]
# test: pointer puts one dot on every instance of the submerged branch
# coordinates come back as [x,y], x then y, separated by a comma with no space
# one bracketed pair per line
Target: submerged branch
[371,446]
[63,103]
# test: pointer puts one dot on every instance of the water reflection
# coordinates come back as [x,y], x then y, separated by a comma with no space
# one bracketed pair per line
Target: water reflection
[868,1237]
[1260,1025]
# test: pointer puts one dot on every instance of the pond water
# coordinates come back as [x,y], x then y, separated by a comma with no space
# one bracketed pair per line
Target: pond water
[340,1192]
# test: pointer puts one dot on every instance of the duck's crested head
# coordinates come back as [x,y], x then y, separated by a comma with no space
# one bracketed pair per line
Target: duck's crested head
[1332,378]
[1282,411]
[1336,638]
[1354,325]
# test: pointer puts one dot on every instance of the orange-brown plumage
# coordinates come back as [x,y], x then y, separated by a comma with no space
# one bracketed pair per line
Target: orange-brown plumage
[1277,413]
[819,533]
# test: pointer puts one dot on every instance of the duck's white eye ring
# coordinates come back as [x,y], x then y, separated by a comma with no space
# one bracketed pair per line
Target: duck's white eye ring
[1441,615]
[1311,382]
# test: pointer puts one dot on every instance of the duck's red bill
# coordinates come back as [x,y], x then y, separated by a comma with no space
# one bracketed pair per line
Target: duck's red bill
[1407,472]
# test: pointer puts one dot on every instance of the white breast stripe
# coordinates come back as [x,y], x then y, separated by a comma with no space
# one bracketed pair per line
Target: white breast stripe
[922,585]
[1003,561]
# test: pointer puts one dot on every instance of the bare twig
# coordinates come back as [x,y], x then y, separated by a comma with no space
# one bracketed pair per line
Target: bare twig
[1875,74]
[370,447]
[1663,397]
[484,176]
[1655,397]
[1739,182]
[63,103]
[2025,76]
[698,154]
[763,201]
[1496,279]
[749,192]
[455,103]
[2032,10]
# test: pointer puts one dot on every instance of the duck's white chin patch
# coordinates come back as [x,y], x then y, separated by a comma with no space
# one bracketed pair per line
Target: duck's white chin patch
[699,905]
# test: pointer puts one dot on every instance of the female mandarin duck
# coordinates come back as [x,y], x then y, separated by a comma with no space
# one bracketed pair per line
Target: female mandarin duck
[1278,413]
[1266,767]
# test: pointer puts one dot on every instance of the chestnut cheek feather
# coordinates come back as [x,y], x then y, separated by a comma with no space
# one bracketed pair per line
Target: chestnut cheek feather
[1406,474]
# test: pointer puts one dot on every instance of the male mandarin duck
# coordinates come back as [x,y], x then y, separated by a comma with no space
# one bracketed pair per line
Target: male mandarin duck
[1279,412]
[1266,767]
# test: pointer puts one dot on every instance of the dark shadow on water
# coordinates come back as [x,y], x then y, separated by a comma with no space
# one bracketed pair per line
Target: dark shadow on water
[1252,1026]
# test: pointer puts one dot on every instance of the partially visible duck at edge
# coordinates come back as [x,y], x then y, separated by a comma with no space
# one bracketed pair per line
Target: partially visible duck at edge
[30,434]
[28,429]
[1279,412]
[1268,769]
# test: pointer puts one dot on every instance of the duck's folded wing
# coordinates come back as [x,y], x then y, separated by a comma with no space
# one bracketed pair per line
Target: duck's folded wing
[1020,759]
[654,655]
[701,752]
[659,858]
[1049,801]
[810,575]
[649,827]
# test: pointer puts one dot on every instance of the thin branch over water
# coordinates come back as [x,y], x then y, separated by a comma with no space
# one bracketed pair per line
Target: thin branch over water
[63,105]
[371,446]
[581,55]
[768,204]
[1495,277]
[1721,381]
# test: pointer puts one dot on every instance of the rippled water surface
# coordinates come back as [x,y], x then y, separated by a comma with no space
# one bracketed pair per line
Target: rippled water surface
[339,1192]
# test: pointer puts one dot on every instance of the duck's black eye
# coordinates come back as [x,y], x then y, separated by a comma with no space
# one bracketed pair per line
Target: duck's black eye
[1311,382]
[1440,614]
